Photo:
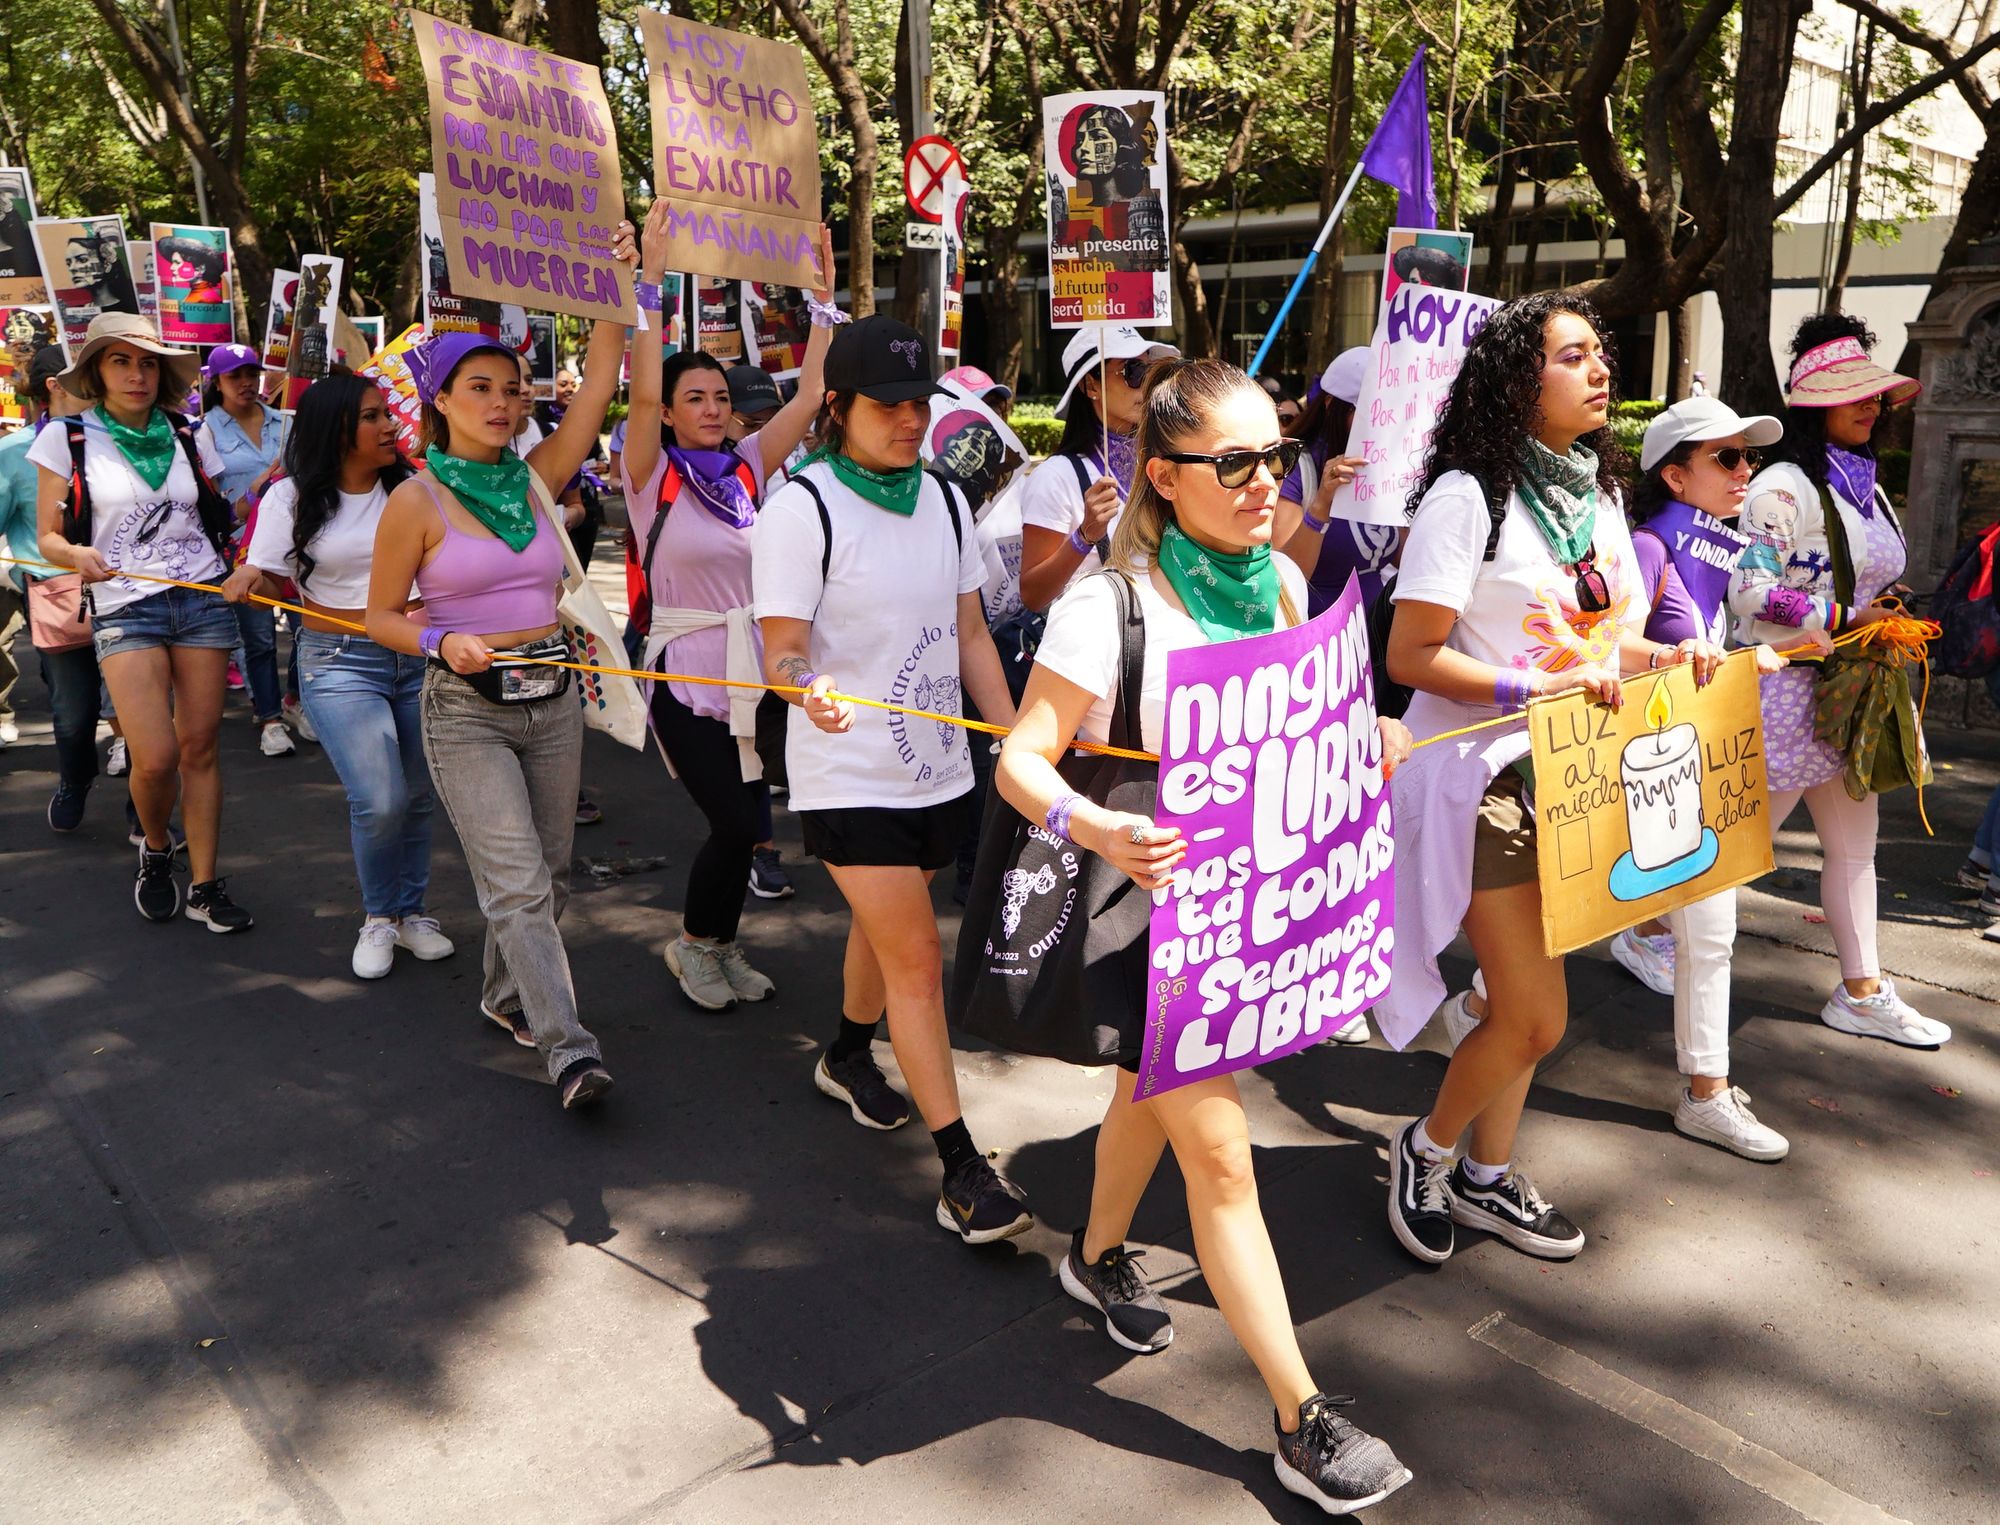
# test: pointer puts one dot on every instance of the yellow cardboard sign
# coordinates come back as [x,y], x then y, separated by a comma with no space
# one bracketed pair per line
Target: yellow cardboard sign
[1644,809]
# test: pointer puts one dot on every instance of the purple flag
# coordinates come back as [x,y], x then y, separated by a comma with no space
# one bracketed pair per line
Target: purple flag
[1399,153]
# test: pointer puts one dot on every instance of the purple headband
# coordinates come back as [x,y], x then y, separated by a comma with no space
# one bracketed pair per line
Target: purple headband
[432,362]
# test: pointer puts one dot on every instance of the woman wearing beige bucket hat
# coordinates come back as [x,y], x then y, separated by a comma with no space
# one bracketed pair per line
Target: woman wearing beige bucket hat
[125,488]
[1824,548]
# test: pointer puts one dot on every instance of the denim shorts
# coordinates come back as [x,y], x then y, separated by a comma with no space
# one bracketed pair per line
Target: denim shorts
[175,617]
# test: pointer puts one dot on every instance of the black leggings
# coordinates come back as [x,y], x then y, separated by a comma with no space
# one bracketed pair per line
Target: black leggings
[706,757]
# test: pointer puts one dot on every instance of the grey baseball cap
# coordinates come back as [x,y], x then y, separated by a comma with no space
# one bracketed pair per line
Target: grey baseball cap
[1703,418]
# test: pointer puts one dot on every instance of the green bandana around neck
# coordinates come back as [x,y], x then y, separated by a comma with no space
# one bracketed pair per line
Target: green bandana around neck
[894,490]
[497,495]
[1228,595]
[1560,491]
[150,450]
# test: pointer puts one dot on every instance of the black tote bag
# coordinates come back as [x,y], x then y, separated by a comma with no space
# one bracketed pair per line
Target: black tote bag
[1053,950]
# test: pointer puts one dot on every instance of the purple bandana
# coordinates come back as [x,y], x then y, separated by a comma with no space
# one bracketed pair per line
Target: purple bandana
[1854,475]
[711,476]
[1121,459]
[1703,550]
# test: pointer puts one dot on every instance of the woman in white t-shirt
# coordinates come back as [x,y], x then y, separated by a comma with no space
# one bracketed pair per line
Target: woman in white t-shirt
[866,579]
[153,509]
[1195,542]
[1517,581]
[316,526]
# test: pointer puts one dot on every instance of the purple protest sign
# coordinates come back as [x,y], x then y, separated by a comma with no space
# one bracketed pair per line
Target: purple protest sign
[1278,927]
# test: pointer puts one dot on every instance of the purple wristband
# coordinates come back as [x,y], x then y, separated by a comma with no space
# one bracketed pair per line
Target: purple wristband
[647,295]
[806,681]
[1317,526]
[431,641]
[1057,820]
[824,314]
[1513,690]
[1077,543]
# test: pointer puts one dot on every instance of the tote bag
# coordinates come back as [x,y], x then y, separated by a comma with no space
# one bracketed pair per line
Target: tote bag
[611,703]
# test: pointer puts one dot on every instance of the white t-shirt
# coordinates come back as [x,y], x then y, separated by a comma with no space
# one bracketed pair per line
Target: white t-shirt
[885,627]
[1083,644]
[343,552]
[1052,499]
[1000,551]
[530,436]
[123,509]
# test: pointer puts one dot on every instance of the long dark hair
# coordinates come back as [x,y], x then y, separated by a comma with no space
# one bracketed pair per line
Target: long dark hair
[1653,494]
[322,434]
[672,369]
[1083,431]
[1325,425]
[1497,393]
[1804,444]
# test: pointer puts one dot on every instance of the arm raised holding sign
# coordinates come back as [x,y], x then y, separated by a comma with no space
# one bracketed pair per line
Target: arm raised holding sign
[560,456]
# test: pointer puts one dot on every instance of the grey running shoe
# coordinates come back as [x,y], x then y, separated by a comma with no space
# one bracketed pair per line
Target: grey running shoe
[1330,1461]
[748,983]
[1134,1316]
[698,967]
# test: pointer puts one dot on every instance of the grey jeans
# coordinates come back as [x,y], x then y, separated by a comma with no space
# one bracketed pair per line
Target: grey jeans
[13,614]
[507,775]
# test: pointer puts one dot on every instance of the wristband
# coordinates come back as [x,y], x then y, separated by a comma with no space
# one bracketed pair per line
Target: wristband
[1077,543]
[824,314]
[647,295]
[1513,690]
[1317,526]
[430,641]
[1057,820]
[806,681]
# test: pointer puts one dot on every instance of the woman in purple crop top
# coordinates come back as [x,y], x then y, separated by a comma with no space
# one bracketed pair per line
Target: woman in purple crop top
[504,739]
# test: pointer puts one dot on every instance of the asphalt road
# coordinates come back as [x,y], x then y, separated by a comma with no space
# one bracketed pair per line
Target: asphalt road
[278,1245]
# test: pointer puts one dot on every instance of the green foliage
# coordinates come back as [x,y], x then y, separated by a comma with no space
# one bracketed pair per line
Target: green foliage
[1038,426]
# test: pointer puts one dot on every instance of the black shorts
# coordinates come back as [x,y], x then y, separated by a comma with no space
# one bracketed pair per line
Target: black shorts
[924,836]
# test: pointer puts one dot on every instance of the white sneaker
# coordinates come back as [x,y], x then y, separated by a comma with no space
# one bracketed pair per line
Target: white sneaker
[1649,960]
[116,763]
[749,983]
[1726,1119]
[1355,1030]
[698,967]
[9,733]
[1458,1018]
[1882,1015]
[295,716]
[422,936]
[375,948]
[1992,933]
[276,741]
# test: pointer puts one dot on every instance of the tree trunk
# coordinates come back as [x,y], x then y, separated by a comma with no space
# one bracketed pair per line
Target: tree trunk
[1679,361]
[1749,381]
[1324,338]
[836,60]
[1197,332]
[913,302]
[573,31]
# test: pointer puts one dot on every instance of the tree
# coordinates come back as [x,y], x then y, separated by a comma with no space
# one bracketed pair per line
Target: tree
[839,62]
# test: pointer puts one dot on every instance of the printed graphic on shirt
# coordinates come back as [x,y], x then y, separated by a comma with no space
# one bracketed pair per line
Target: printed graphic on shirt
[930,749]
[1564,635]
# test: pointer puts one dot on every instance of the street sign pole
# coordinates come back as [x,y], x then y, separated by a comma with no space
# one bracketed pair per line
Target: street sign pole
[923,115]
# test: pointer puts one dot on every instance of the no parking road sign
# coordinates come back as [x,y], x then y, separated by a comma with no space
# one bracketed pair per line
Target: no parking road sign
[924,168]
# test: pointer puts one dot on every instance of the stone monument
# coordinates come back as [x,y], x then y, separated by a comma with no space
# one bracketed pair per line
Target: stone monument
[1955,447]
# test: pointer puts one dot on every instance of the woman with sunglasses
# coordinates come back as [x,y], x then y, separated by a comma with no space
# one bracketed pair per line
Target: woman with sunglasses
[1517,580]
[1818,508]
[1195,545]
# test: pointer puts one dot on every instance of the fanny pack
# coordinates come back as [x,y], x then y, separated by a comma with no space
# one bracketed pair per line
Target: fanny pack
[521,675]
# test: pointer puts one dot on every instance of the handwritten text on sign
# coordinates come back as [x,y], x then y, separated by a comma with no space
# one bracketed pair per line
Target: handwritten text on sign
[528,183]
[1419,344]
[1278,927]
[735,152]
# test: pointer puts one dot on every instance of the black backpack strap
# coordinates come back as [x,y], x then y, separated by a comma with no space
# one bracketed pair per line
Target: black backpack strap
[951,506]
[825,529]
[1496,514]
[76,507]
[218,519]
[1082,470]
[1126,730]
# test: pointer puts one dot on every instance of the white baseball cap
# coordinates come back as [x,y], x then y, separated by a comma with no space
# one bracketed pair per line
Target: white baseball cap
[1342,377]
[1703,418]
[1109,341]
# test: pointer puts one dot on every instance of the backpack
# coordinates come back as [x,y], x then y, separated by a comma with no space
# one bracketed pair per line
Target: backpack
[218,519]
[1392,699]
[1967,612]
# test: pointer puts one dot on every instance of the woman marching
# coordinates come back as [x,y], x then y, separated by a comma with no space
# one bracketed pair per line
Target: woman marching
[475,531]
[125,487]
[867,582]
[1824,548]
[693,498]
[1195,544]
[316,526]
[1517,580]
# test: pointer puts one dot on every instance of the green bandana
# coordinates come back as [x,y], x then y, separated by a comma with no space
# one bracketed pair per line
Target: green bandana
[1561,492]
[1229,596]
[894,490]
[496,495]
[149,450]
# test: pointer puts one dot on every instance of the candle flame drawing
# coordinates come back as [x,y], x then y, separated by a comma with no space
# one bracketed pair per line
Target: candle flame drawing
[1659,708]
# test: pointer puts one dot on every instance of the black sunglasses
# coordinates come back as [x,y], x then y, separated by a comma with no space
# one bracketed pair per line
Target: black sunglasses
[1729,457]
[1136,370]
[1593,593]
[1236,467]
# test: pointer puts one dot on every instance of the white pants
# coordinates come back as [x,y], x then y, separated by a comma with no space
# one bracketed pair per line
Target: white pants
[1704,934]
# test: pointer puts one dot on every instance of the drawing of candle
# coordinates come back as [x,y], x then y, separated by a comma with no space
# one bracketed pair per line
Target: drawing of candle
[1662,776]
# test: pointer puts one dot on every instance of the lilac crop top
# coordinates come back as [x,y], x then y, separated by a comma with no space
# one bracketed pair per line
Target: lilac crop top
[477,586]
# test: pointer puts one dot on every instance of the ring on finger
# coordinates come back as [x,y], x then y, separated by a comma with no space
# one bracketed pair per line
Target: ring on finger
[1138,836]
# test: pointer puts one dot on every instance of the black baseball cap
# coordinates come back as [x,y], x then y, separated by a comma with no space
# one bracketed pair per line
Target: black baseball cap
[885,361]
[752,391]
[47,364]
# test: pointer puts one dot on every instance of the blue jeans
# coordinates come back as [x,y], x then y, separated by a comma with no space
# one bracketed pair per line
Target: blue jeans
[260,658]
[1986,841]
[364,700]
[175,617]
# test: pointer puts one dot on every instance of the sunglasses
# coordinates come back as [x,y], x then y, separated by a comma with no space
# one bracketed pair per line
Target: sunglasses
[1593,593]
[1236,467]
[1135,370]
[1729,457]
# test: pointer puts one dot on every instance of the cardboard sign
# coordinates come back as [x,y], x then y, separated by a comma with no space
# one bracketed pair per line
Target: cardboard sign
[525,154]
[315,314]
[23,330]
[389,368]
[195,282]
[779,326]
[1426,257]
[446,309]
[951,297]
[1648,808]
[21,282]
[1420,342]
[1279,924]
[1105,157]
[85,270]
[735,152]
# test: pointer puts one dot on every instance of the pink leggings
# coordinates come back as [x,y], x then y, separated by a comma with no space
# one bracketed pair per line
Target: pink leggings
[1846,830]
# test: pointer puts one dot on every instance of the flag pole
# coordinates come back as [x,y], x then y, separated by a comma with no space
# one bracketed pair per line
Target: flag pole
[1306,270]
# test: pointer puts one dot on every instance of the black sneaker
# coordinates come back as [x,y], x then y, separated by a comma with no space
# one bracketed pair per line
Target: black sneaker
[66,807]
[1420,1199]
[981,1206]
[1134,1316]
[588,813]
[857,1081]
[210,904]
[158,892]
[136,834]
[1337,1466]
[1513,1209]
[583,1083]
[768,877]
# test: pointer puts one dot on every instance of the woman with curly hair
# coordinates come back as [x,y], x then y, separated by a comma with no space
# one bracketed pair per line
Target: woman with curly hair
[1517,581]
[1824,548]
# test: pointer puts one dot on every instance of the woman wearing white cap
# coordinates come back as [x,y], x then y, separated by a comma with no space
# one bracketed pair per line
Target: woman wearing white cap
[1328,549]
[1824,548]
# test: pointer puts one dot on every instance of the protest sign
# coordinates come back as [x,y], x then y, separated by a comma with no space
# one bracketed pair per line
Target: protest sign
[21,282]
[373,335]
[278,319]
[525,154]
[735,152]
[389,367]
[1105,161]
[1278,927]
[1647,808]
[447,310]
[83,266]
[194,278]
[145,278]
[1419,344]
[970,443]
[541,353]
[315,315]
[951,296]
[23,330]
[1426,257]
[779,326]
[718,319]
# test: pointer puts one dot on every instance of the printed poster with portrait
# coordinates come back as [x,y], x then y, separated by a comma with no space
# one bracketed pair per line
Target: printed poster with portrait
[21,282]
[779,326]
[718,319]
[541,353]
[1105,162]
[970,443]
[951,295]
[145,281]
[23,330]
[315,313]
[1425,257]
[84,266]
[195,280]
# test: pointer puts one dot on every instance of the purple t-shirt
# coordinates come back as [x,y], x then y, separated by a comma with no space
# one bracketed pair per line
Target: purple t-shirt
[1366,550]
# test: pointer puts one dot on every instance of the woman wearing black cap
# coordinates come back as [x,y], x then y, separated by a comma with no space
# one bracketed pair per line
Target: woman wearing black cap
[867,582]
